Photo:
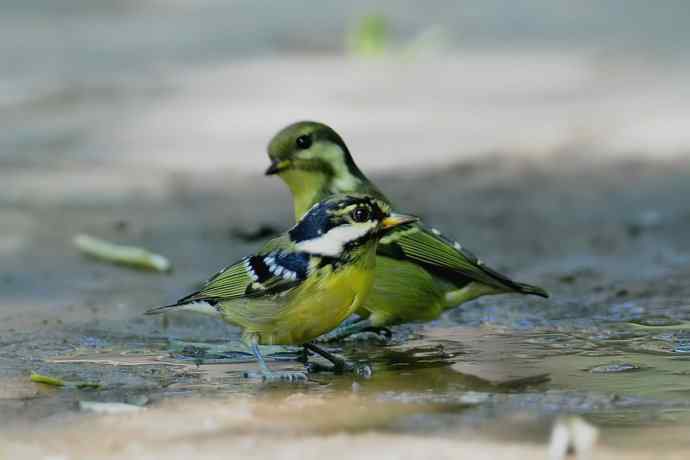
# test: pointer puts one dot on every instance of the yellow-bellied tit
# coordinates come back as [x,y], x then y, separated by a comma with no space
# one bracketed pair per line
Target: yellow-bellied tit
[419,272]
[303,283]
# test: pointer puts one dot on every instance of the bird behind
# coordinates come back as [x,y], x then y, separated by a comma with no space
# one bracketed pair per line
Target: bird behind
[419,272]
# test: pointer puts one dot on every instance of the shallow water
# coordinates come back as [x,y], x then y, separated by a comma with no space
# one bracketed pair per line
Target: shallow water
[448,381]
[98,90]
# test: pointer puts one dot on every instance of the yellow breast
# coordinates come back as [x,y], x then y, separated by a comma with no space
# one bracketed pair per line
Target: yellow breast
[317,306]
[320,305]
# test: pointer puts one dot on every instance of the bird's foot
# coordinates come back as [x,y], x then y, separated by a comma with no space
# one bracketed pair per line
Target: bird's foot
[227,353]
[332,336]
[342,332]
[316,368]
[384,332]
[352,320]
[303,356]
[362,370]
[286,376]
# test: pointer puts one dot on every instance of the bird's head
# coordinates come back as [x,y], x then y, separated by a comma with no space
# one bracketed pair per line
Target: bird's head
[314,161]
[337,226]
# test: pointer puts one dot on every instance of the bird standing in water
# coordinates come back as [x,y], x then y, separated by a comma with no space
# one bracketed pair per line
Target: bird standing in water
[419,272]
[303,283]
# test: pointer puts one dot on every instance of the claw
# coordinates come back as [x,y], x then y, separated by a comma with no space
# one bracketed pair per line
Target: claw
[383,331]
[359,370]
[292,377]
[339,366]
[303,356]
[315,368]
[266,374]
[252,375]
[363,370]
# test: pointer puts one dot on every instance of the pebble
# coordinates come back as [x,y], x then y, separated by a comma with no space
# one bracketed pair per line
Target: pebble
[613,368]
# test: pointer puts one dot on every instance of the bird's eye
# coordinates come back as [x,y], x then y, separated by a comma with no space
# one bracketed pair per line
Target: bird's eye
[303,142]
[360,215]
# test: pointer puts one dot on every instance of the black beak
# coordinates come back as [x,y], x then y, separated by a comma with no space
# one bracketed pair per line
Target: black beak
[273,169]
[277,166]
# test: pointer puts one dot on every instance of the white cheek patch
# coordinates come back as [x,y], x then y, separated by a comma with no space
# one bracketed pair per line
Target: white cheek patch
[332,243]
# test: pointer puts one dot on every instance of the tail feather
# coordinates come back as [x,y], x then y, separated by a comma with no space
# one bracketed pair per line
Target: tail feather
[199,306]
[522,288]
[160,310]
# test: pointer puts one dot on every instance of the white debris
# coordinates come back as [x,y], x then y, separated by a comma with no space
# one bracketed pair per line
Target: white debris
[572,435]
[108,408]
[119,254]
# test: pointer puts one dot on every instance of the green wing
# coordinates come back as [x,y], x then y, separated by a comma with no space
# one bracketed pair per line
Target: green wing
[269,272]
[446,258]
[229,283]
[440,255]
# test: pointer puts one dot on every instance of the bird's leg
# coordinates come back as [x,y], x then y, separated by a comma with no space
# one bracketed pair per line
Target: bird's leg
[303,355]
[342,330]
[234,352]
[363,325]
[266,373]
[353,319]
[339,364]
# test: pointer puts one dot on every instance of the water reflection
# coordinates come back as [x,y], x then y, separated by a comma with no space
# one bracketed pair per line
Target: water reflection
[448,381]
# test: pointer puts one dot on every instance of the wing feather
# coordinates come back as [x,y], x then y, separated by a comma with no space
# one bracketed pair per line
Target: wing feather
[442,256]
[254,276]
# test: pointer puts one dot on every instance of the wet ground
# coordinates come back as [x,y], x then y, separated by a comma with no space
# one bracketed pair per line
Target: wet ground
[610,240]
[551,140]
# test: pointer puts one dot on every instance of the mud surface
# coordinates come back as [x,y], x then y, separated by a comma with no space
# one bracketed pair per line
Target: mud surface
[609,239]
[551,140]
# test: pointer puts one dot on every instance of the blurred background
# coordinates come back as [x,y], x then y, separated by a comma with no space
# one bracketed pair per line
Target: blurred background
[550,137]
[201,86]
